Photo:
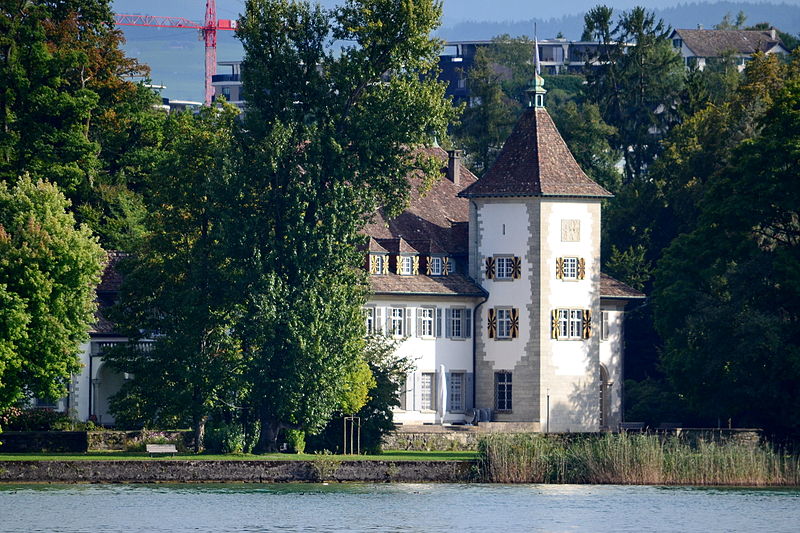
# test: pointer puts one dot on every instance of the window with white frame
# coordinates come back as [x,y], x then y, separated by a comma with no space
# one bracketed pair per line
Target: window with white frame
[406,265]
[425,318]
[369,319]
[502,391]
[503,323]
[570,323]
[378,263]
[436,266]
[505,267]
[604,316]
[451,265]
[458,323]
[570,268]
[397,319]
[456,392]
[427,395]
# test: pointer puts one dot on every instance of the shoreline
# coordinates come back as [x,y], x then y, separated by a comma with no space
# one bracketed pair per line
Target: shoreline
[244,471]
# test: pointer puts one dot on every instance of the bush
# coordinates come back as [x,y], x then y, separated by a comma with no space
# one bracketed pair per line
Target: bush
[296,440]
[221,437]
[16,419]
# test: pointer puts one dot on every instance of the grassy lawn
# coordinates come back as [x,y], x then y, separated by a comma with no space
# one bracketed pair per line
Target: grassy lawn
[391,455]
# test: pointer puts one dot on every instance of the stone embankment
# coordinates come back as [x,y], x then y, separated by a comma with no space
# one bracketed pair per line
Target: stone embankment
[192,471]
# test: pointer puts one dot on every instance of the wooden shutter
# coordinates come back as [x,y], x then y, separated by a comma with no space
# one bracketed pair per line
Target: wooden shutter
[380,319]
[438,322]
[448,318]
[398,264]
[516,268]
[419,322]
[514,323]
[490,268]
[587,323]
[492,324]
[385,265]
[428,270]
[554,324]
[560,268]
[373,264]
[581,268]
[408,315]
[415,265]
[445,266]
[467,323]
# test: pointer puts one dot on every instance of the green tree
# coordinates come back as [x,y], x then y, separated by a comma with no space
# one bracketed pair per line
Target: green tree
[487,121]
[727,292]
[174,288]
[328,138]
[69,112]
[636,82]
[49,268]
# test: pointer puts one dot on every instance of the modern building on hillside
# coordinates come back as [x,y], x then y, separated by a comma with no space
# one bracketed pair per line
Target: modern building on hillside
[228,83]
[700,47]
[492,287]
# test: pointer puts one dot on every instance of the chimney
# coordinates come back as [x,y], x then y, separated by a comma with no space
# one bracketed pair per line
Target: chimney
[454,165]
[773,33]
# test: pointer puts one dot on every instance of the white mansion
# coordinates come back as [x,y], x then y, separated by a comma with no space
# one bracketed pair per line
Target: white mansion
[493,287]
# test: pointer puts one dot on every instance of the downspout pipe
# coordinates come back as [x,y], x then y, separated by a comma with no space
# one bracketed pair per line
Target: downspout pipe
[475,348]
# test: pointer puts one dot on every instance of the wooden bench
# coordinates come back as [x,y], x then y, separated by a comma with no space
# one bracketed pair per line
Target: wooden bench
[161,448]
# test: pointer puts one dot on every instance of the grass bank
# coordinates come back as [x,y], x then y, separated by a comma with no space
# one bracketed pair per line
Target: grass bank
[141,456]
[632,459]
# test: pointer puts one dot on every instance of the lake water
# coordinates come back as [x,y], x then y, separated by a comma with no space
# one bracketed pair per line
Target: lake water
[393,507]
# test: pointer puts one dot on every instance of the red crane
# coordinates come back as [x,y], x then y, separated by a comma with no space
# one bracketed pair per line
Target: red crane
[208,29]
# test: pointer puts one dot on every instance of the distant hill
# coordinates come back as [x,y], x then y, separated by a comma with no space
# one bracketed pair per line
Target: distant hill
[176,56]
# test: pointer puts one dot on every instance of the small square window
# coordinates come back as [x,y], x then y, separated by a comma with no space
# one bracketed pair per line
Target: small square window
[505,267]
[570,268]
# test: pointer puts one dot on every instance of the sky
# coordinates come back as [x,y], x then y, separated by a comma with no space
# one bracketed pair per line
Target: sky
[455,11]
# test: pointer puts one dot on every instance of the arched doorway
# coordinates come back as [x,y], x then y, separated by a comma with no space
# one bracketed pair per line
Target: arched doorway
[106,384]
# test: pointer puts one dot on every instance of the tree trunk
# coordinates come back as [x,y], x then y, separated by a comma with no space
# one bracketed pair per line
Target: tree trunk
[268,437]
[199,432]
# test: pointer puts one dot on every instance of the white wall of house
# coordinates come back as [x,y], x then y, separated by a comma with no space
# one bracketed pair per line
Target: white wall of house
[428,353]
[95,384]
[612,358]
[570,368]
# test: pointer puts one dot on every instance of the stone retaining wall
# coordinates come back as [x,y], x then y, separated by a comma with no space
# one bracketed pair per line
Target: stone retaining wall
[176,471]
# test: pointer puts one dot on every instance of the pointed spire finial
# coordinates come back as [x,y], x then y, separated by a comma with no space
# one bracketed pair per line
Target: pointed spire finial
[536,90]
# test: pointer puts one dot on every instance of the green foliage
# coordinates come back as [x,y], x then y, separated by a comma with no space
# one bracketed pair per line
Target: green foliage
[49,267]
[321,149]
[222,437]
[727,291]
[174,289]
[634,87]
[296,439]
[17,419]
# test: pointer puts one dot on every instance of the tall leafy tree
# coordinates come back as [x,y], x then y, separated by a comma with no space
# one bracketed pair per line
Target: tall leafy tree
[69,111]
[49,267]
[328,138]
[174,289]
[728,292]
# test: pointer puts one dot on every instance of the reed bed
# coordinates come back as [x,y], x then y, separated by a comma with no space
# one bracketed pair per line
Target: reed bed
[633,459]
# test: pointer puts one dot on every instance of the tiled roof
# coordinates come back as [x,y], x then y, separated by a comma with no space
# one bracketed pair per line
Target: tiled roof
[452,285]
[438,215]
[111,280]
[713,43]
[535,161]
[612,288]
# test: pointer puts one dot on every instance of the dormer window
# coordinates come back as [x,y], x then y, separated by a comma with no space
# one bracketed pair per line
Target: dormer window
[378,264]
[435,266]
[408,265]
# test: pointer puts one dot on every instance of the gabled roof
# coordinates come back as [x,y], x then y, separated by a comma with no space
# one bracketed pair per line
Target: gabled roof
[437,215]
[613,288]
[535,161]
[713,43]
